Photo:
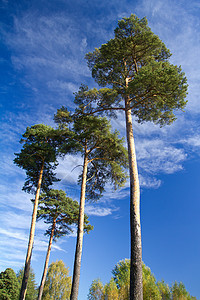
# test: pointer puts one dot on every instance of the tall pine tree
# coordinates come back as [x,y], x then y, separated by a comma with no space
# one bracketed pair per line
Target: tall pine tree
[61,213]
[104,160]
[38,157]
[138,78]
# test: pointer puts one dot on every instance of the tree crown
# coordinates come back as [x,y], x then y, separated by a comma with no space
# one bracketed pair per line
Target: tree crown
[106,155]
[58,282]
[40,149]
[135,66]
[58,210]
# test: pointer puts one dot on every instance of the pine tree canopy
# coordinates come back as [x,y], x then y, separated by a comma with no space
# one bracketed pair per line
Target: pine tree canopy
[135,64]
[106,154]
[55,206]
[40,146]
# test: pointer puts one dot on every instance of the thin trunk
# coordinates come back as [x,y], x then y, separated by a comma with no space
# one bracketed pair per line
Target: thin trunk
[79,242]
[46,262]
[31,239]
[136,288]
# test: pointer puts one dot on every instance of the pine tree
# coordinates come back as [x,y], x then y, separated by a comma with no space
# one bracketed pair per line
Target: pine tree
[9,286]
[38,158]
[61,212]
[104,160]
[138,78]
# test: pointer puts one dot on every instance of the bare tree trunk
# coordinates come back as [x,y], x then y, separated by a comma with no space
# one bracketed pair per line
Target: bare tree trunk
[46,262]
[79,242]
[136,287]
[31,239]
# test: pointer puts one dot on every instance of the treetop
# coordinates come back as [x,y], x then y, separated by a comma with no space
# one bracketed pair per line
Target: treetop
[55,208]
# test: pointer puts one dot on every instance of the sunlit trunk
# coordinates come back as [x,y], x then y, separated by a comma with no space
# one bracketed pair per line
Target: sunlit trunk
[46,262]
[31,239]
[136,288]
[79,243]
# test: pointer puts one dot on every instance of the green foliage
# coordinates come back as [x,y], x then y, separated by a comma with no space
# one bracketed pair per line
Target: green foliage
[110,291]
[58,282]
[121,273]
[55,206]
[106,154]
[164,290]
[96,291]
[31,293]
[150,288]
[134,65]
[179,292]
[9,286]
[40,146]
[119,285]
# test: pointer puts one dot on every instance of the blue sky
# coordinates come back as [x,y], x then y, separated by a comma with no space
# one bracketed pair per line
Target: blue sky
[43,44]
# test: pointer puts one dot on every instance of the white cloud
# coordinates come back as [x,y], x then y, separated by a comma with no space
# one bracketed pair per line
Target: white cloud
[49,47]
[69,168]
[155,156]
[149,182]
[63,85]
[193,141]
[98,211]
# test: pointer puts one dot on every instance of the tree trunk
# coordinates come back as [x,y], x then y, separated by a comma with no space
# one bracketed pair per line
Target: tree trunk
[46,262]
[136,287]
[31,239]
[79,242]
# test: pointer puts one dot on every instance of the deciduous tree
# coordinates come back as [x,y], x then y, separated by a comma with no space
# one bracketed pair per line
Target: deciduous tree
[179,291]
[61,212]
[111,292]
[38,158]
[121,276]
[58,282]
[164,290]
[152,290]
[96,291]
[138,78]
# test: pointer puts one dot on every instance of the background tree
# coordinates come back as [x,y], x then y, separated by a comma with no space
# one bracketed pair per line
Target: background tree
[121,276]
[140,80]
[38,158]
[9,286]
[105,160]
[96,291]
[58,282]
[150,288]
[32,289]
[61,212]
[164,290]
[111,292]
[179,292]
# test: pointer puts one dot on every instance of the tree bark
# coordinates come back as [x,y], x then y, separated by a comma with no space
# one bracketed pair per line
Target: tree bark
[79,242]
[136,287]
[46,262]
[31,239]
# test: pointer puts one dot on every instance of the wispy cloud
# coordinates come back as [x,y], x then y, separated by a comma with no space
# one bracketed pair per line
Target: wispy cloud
[154,156]
[51,49]
[93,210]
[193,141]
